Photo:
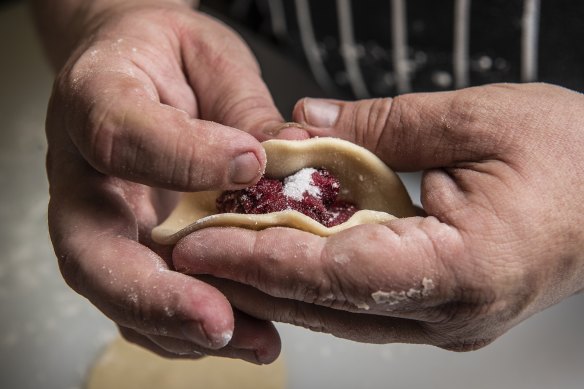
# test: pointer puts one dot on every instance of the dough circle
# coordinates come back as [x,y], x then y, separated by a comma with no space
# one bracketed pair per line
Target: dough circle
[124,365]
[365,180]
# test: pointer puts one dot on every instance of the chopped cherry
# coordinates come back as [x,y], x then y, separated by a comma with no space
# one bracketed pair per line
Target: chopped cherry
[312,192]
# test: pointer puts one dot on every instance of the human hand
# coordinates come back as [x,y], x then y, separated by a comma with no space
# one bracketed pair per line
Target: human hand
[503,238]
[136,105]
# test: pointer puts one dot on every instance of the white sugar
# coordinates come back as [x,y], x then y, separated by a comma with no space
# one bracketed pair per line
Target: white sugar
[299,183]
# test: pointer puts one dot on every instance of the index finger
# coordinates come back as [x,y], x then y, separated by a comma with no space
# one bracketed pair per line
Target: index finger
[117,122]
[395,270]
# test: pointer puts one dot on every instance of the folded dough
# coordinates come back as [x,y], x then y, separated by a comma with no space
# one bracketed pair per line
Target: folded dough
[365,181]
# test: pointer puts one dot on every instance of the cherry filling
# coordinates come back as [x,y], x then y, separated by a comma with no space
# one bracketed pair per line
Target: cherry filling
[312,192]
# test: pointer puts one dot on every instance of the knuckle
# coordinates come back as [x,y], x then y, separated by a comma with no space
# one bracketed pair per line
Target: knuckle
[184,173]
[101,137]
[110,146]
[377,119]
[141,314]
[482,118]
[394,127]
[320,294]
[139,311]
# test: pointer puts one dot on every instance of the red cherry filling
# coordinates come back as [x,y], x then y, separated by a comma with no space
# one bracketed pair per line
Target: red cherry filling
[312,192]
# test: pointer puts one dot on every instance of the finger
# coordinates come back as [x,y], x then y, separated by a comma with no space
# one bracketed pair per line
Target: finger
[358,327]
[94,229]
[118,124]
[400,269]
[131,286]
[229,87]
[246,344]
[419,131]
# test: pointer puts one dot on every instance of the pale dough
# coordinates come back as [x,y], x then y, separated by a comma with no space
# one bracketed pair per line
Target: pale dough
[365,181]
[123,365]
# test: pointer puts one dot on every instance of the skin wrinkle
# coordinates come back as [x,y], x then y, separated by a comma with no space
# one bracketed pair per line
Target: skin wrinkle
[256,245]
[381,123]
[128,156]
[186,177]
[162,319]
[339,281]
[460,128]
[503,140]
[102,137]
[94,132]
[395,129]
[448,265]
[300,317]
[340,299]
[441,257]
[313,292]
[358,118]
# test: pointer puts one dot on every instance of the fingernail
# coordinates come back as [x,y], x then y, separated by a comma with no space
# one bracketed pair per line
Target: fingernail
[282,127]
[196,333]
[224,339]
[244,169]
[320,113]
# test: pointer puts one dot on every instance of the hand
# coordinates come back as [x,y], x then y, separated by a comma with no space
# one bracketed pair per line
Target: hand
[127,111]
[503,238]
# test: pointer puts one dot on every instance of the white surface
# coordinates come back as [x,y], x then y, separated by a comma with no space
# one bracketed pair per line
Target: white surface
[49,335]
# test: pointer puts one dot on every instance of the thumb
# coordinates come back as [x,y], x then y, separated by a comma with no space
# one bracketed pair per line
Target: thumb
[415,131]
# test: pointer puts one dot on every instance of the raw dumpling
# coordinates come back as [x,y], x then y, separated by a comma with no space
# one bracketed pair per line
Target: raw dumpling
[365,181]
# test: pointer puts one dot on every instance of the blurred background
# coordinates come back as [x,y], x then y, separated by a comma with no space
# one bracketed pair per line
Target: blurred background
[50,337]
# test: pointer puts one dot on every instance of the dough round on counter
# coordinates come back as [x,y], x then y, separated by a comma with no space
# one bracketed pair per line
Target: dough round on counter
[124,365]
[365,181]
